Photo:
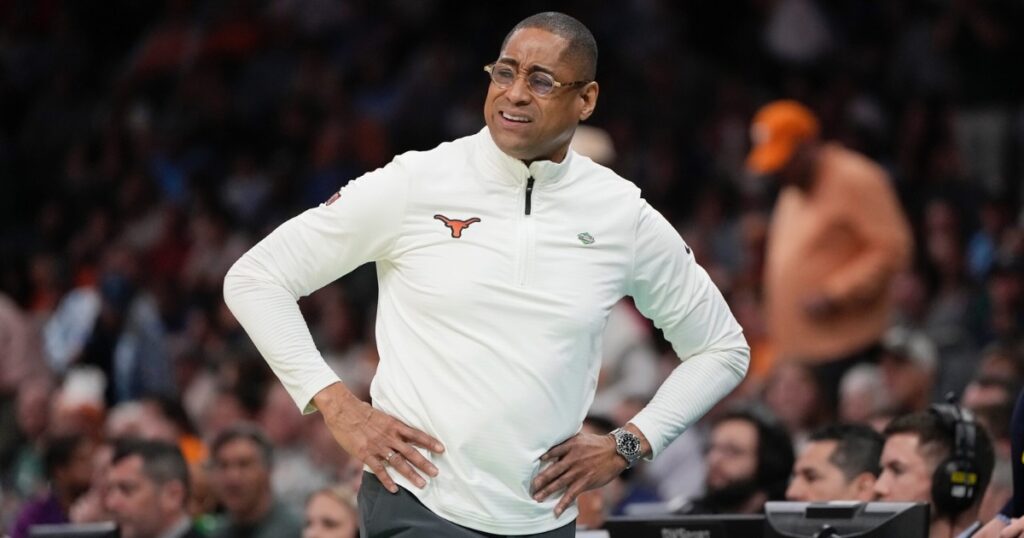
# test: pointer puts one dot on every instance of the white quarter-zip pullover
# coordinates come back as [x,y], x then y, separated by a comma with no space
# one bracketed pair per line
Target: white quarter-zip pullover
[496,279]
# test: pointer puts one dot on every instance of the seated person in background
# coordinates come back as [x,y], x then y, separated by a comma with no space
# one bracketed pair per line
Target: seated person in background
[749,459]
[68,464]
[1008,523]
[148,490]
[242,463]
[926,458]
[909,366]
[862,394]
[839,463]
[332,513]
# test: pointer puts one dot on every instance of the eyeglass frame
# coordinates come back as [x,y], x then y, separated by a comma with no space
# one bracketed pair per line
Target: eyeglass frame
[556,84]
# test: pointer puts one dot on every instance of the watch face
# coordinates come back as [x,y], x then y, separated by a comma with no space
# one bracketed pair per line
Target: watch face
[629,444]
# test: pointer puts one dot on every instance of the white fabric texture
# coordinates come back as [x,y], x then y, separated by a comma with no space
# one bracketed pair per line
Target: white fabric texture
[490,341]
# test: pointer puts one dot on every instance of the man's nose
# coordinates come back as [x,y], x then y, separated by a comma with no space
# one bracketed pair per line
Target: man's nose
[519,91]
[881,487]
[794,492]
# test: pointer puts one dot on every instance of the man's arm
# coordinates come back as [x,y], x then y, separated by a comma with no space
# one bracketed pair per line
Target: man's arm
[877,219]
[299,257]
[670,288]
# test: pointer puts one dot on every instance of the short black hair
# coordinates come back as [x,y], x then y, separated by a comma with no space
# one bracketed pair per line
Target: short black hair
[858,448]
[936,441]
[582,48]
[250,432]
[775,455]
[162,462]
[59,452]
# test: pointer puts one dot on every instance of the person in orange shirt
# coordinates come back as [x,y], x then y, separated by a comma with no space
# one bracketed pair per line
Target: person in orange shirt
[837,237]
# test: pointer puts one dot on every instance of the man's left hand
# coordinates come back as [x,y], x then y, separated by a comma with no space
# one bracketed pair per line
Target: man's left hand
[585,461]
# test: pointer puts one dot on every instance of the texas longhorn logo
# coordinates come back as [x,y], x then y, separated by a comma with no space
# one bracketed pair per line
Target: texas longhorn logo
[456,225]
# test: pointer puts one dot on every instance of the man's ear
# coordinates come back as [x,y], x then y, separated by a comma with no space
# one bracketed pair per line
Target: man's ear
[588,95]
[864,486]
[173,496]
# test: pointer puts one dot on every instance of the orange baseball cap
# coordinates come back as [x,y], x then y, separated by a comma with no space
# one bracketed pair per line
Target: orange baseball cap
[776,131]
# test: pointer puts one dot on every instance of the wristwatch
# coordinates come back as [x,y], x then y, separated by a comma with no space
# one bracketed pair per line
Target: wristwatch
[627,445]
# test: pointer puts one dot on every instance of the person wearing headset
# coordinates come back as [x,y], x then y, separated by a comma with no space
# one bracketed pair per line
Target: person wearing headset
[942,457]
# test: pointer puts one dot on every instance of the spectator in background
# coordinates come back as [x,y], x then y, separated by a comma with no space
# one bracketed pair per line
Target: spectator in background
[242,460]
[1009,523]
[148,491]
[331,513]
[21,352]
[749,460]
[24,475]
[68,462]
[839,463]
[89,507]
[838,237]
[862,394]
[950,319]
[1003,360]
[794,396]
[1004,299]
[916,445]
[908,364]
[295,477]
[987,391]
[115,325]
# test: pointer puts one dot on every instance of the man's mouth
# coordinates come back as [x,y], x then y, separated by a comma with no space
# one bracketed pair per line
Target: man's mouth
[515,118]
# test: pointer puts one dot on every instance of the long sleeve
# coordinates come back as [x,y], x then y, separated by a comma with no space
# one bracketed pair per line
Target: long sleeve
[670,288]
[303,255]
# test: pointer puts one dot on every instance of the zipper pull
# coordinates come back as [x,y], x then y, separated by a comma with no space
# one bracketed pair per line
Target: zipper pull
[529,193]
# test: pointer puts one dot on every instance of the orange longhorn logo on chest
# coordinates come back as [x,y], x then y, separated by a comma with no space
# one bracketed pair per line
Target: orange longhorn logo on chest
[456,225]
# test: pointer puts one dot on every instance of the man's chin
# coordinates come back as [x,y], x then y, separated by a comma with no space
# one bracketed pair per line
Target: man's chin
[732,495]
[510,144]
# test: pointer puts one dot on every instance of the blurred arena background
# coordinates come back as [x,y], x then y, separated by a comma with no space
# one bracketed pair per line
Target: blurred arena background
[144,146]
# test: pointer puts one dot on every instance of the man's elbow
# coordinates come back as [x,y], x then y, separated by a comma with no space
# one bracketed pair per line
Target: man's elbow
[232,286]
[740,359]
[734,356]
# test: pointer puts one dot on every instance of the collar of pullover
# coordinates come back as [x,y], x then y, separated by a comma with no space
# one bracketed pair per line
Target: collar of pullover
[514,171]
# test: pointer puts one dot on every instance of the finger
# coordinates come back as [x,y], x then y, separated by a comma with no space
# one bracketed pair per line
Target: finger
[400,464]
[377,466]
[421,438]
[556,485]
[415,458]
[556,451]
[547,475]
[570,497]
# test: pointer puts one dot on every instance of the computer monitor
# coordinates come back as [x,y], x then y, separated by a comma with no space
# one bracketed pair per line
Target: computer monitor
[846,520]
[718,526]
[107,529]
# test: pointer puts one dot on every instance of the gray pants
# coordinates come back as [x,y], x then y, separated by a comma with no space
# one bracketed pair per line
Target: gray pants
[401,515]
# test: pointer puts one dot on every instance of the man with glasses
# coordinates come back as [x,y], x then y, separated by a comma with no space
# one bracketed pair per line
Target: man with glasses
[749,457]
[499,256]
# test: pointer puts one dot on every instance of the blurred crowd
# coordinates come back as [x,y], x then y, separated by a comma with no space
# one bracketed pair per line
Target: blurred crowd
[144,146]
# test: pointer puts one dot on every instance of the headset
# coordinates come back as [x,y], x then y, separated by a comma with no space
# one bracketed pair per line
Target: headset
[955,481]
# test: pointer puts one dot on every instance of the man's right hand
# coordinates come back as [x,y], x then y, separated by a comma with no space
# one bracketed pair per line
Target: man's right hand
[376,438]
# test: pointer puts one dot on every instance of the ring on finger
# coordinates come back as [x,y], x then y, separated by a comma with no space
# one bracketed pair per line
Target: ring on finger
[387,459]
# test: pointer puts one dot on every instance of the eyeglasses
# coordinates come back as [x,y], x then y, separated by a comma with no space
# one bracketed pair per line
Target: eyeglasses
[539,82]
